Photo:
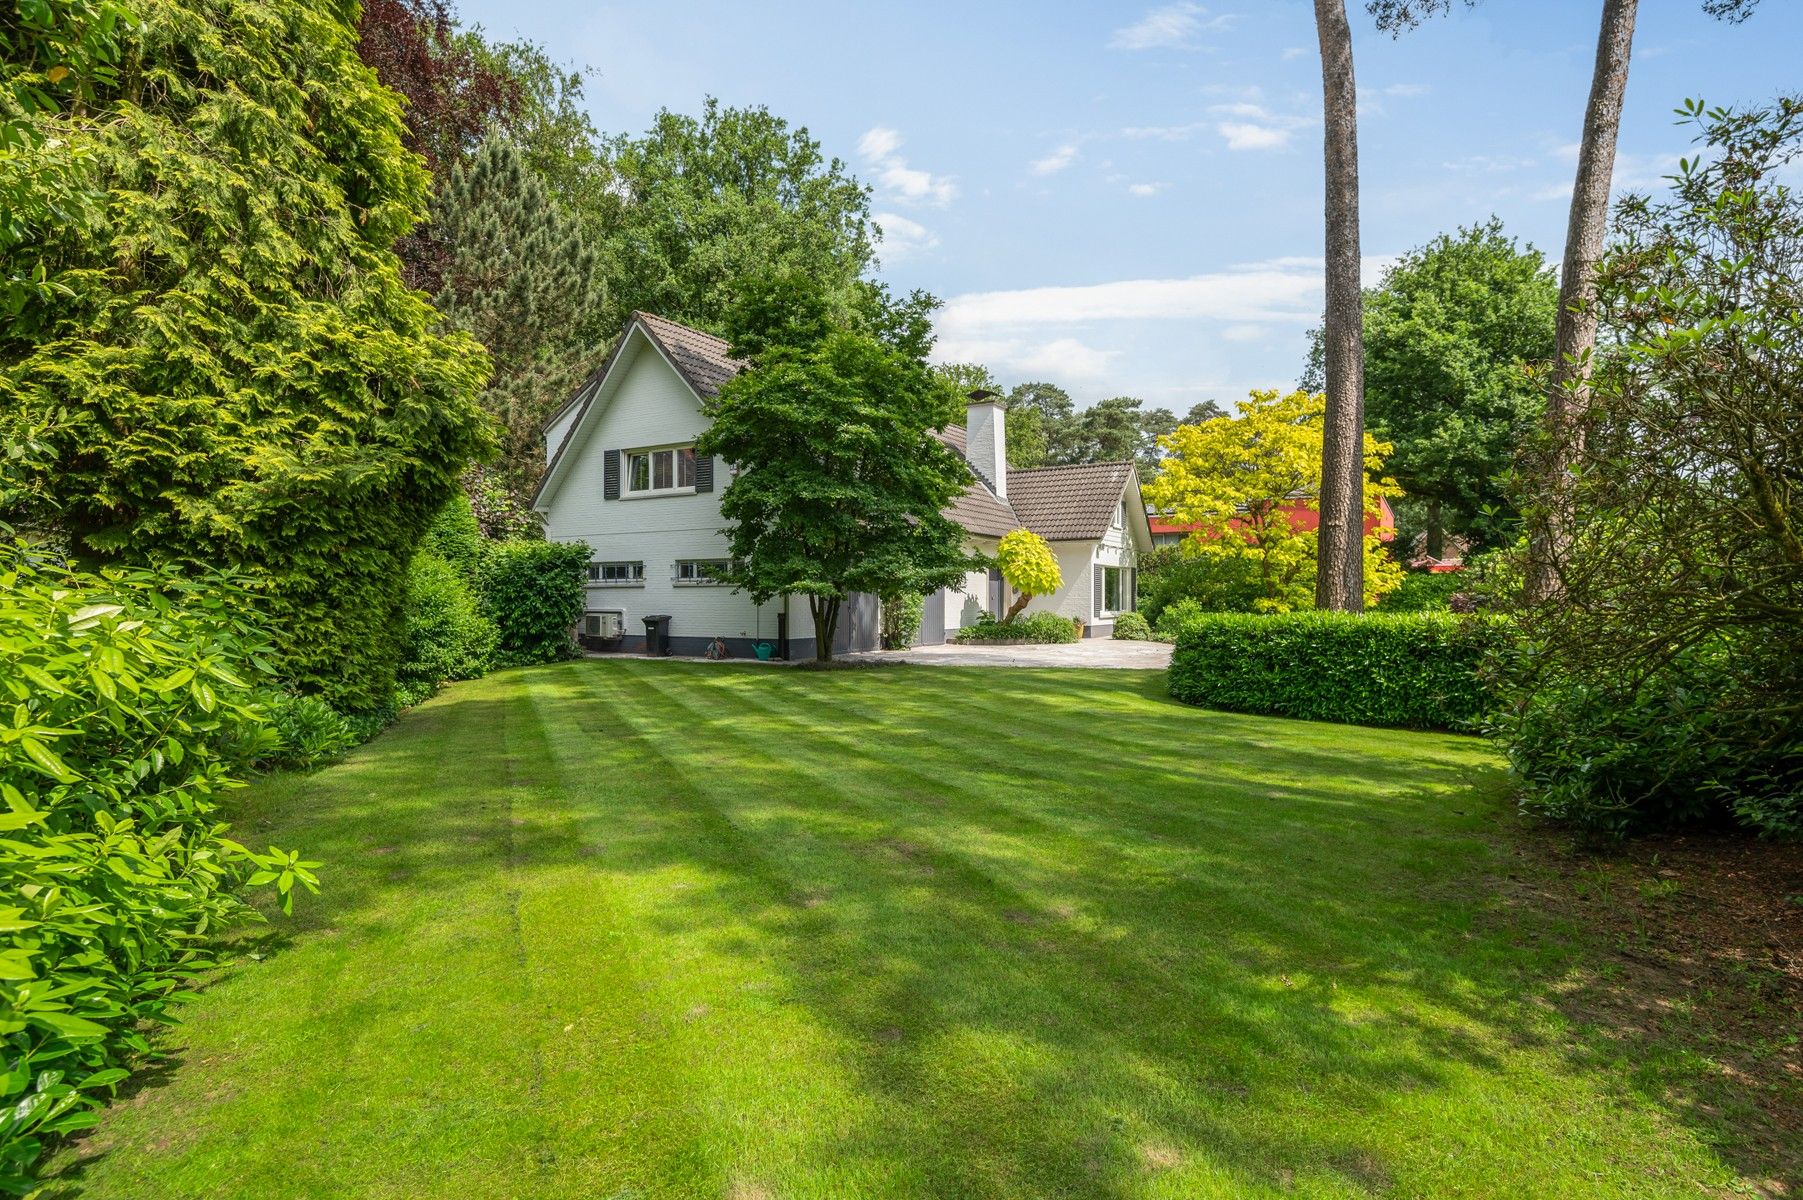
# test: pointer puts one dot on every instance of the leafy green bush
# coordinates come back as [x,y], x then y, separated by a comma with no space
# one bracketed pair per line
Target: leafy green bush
[1176,616]
[1041,627]
[534,593]
[1425,591]
[455,537]
[129,703]
[901,619]
[1419,670]
[448,635]
[306,731]
[1621,756]
[1213,583]
[1131,627]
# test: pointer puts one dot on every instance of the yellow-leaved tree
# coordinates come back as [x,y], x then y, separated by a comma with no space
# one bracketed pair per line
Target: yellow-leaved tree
[1028,566]
[1251,486]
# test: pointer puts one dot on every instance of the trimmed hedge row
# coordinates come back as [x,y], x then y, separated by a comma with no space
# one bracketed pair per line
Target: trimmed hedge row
[1416,670]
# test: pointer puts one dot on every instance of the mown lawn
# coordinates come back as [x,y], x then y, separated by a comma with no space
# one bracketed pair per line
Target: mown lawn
[635,929]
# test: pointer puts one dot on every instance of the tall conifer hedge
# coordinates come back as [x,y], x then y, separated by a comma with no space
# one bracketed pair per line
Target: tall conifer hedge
[222,363]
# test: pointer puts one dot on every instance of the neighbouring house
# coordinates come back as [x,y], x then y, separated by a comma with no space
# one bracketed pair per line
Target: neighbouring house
[622,476]
[1166,532]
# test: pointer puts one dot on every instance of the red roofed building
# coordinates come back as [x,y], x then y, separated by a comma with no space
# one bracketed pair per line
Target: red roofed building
[1166,532]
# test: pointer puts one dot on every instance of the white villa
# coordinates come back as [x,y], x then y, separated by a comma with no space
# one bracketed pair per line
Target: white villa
[622,475]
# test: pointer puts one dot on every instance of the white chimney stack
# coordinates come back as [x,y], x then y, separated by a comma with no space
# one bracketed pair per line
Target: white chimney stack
[986,438]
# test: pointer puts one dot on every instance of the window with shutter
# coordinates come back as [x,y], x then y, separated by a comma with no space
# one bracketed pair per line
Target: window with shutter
[610,475]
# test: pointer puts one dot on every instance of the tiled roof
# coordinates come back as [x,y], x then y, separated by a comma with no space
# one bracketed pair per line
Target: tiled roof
[1068,503]
[981,513]
[954,436]
[703,359]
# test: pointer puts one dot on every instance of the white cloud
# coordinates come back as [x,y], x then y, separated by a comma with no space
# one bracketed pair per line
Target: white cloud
[1255,127]
[1146,189]
[1405,89]
[1290,52]
[1244,135]
[1064,358]
[881,150]
[1057,160]
[1164,133]
[879,143]
[1169,25]
[1242,333]
[902,238]
[1633,173]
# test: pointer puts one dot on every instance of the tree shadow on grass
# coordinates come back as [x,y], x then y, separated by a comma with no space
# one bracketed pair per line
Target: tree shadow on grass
[1069,937]
[1085,978]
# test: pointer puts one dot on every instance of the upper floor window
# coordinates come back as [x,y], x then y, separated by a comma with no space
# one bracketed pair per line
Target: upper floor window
[652,471]
[1120,515]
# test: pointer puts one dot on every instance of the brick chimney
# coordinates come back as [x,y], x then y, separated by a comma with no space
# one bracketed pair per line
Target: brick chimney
[986,438]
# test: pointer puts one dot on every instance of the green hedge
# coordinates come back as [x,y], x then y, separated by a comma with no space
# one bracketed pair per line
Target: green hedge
[448,636]
[534,592]
[1417,670]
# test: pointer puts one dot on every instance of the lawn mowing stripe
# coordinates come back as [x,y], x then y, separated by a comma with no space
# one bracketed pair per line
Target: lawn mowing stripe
[683,782]
[913,993]
[688,685]
[1083,845]
[1130,974]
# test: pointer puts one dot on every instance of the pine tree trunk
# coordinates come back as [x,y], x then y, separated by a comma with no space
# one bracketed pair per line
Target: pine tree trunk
[1567,401]
[1339,578]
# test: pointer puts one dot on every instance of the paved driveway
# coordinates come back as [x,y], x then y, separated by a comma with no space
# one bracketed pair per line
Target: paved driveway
[1090,652]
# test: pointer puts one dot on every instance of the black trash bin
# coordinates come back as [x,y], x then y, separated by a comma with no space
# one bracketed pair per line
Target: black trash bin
[657,634]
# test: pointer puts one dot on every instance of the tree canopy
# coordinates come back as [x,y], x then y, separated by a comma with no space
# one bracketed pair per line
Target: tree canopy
[231,370]
[1028,566]
[519,278]
[1457,336]
[841,484]
[696,206]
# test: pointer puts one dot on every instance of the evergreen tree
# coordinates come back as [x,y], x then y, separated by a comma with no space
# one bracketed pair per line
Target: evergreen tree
[227,367]
[520,279]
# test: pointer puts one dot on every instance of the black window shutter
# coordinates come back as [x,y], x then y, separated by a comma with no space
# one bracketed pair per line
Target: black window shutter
[1097,610]
[704,472]
[610,475]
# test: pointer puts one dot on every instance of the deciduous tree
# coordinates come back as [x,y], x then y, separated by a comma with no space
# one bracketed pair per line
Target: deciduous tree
[1243,481]
[1028,566]
[696,206]
[1456,337]
[841,484]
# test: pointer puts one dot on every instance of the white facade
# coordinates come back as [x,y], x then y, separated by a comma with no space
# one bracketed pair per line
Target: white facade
[654,532]
[644,403]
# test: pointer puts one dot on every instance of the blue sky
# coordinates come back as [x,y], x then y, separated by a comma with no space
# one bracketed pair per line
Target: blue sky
[1125,198]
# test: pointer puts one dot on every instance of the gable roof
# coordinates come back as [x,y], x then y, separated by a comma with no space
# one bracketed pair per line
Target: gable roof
[701,359]
[704,360]
[1068,503]
[1071,503]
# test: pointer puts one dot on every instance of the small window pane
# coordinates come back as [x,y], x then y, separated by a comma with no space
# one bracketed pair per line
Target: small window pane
[685,467]
[1111,588]
[641,473]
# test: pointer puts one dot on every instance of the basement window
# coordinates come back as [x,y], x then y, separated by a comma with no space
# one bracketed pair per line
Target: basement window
[617,574]
[702,571]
